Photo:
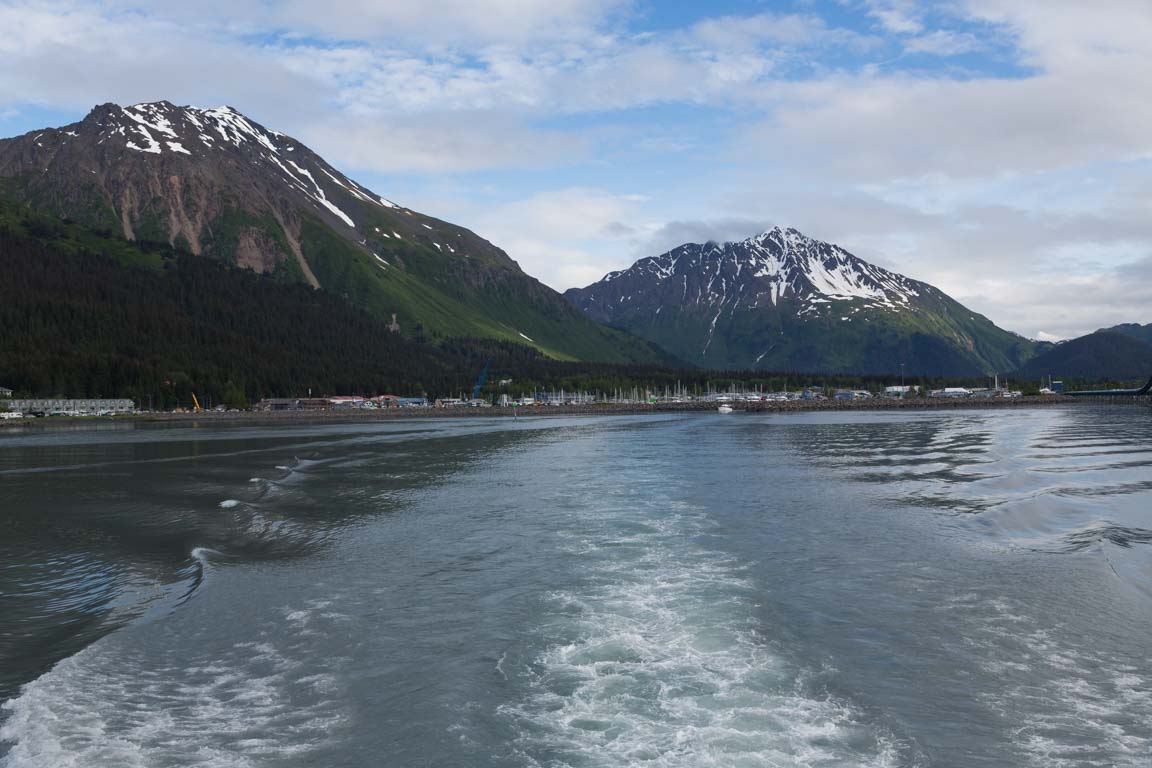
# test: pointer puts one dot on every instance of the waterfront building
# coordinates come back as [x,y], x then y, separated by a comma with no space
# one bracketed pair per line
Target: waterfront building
[54,406]
[952,392]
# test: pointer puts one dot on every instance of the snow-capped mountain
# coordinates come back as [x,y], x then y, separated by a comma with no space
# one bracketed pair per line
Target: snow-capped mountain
[216,183]
[160,127]
[784,301]
[161,172]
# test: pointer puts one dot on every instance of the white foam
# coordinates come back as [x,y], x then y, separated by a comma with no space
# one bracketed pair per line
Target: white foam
[1049,682]
[658,662]
[229,503]
[228,707]
[204,554]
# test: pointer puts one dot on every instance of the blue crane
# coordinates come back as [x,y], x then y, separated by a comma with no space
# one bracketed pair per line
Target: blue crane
[480,381]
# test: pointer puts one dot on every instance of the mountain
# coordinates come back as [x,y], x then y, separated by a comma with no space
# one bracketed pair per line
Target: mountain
[79,322]
[86,314]
[1135,330]
[214,183]
[786,302]
[1101,356]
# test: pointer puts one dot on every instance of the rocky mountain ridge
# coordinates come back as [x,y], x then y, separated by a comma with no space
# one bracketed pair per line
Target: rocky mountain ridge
[216,183]
[783,301]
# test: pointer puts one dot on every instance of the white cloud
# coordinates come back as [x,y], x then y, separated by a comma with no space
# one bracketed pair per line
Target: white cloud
[1066,306]
[74,56]
[676,233]
[455,24]
[1070,36]
[1022,196]
[900,16]
[942,42]
[790,31]
[440,143]
[563,237]
[867,128]
[993,186]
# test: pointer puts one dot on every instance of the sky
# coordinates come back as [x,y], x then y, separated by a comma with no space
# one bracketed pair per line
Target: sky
[998,149]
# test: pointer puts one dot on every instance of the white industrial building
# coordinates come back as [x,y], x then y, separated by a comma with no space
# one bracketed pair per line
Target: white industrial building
[67,407]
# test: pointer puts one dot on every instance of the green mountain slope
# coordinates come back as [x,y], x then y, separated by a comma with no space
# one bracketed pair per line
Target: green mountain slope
[1135,330]
[89,315]
[215,184]
[1099,356]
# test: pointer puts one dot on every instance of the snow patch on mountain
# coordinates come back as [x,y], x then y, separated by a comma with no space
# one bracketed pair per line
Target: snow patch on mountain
[773,266]
[159,128]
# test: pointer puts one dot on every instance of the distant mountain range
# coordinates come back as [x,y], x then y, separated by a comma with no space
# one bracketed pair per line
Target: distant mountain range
[1115,354]
[782,301]
[215,183]
[1107,355]
[1135,330]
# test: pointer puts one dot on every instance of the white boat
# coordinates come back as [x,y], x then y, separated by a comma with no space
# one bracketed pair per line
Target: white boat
[725,408]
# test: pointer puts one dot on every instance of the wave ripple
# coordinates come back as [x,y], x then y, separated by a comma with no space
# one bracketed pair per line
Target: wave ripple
[660,661]
[242,706]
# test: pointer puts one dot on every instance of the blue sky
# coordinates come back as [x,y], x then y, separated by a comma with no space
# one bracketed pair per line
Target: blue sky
[999,149]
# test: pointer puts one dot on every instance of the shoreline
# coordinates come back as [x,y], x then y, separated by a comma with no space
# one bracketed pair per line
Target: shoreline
[600,409]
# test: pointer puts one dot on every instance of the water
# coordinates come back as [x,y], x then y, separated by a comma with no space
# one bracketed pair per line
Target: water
[841,589]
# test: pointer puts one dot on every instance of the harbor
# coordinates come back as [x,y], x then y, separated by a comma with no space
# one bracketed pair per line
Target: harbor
[570,409]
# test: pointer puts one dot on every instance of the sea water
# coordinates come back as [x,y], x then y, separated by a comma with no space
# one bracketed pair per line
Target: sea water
[836,589]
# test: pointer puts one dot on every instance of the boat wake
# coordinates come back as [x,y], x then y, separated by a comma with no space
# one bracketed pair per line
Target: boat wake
[658,660]
[134,699]
[1070,705]
[128,706]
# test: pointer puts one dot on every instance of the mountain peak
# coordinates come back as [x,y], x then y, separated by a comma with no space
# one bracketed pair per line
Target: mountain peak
[732,304]
[213,182]
[779,263]
[184,135]
[162,104]
[160,127]
[160,171]
[784,235]
[775,233]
